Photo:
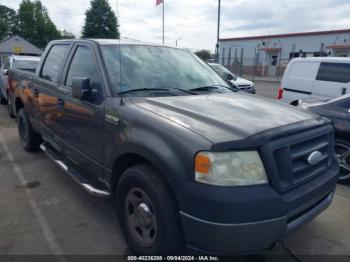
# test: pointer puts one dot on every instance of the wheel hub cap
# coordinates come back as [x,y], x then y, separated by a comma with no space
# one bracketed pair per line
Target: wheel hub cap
[143,215]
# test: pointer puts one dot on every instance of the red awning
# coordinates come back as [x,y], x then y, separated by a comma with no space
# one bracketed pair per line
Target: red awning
[338,46]
[271,49]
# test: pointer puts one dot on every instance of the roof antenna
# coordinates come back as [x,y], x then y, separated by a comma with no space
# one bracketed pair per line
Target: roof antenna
[120,61]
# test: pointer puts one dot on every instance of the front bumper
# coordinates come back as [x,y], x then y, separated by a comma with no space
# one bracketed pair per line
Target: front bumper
[257,229]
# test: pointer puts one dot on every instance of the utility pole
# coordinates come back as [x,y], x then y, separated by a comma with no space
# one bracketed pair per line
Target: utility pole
[163,23]
[218,33]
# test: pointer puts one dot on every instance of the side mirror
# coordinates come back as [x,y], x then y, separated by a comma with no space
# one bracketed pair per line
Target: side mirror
[5,72]
[229,77]
[81,88]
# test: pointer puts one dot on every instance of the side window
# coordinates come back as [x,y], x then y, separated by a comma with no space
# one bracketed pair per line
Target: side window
[54,62]
[83,65]
[334,72]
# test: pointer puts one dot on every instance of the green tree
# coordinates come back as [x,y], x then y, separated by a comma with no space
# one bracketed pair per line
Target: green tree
[204,54]
[34,23]
[100,21]
[7,22]
[66,35]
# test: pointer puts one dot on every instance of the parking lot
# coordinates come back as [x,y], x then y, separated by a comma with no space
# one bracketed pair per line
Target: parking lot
[43,211]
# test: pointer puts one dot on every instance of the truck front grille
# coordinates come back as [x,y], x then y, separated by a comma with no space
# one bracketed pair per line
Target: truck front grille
[286,159]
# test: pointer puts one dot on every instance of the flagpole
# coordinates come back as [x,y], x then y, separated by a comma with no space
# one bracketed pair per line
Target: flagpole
[163,20]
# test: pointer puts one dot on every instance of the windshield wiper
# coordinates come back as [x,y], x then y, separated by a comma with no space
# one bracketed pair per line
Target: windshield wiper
[210,88]
[156,89]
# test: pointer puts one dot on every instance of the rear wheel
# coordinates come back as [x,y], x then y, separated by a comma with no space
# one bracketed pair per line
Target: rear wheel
[342,150]
[148,214]
[10,110]
[29,138]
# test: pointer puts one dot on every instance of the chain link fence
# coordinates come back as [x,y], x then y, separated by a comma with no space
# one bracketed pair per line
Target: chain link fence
[270,67]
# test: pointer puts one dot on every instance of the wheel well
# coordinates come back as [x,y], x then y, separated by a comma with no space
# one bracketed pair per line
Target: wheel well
[18,104]
[122,164]
[295,103]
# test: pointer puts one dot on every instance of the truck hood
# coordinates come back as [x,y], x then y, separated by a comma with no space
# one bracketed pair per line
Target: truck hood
[223,117]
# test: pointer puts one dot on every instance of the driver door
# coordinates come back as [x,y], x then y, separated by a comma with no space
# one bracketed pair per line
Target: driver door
[82,122]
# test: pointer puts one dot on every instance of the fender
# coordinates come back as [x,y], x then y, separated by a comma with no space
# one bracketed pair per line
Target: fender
[169,170]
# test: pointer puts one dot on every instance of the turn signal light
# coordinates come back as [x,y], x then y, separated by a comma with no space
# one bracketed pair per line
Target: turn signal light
[202,164]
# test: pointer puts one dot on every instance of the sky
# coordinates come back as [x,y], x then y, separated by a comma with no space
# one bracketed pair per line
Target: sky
[194,22]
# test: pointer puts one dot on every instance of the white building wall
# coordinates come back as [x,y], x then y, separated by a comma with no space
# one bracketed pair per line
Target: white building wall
[310,43]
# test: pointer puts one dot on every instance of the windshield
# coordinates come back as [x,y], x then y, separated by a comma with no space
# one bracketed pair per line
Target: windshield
[146,68]
[221,70]
[29,65]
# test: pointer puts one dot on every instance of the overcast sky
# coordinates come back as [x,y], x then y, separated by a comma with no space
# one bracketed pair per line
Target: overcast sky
[195,21]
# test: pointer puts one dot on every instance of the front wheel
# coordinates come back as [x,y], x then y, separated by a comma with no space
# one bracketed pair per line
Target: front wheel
[342,150]
[148,214]
[29,138]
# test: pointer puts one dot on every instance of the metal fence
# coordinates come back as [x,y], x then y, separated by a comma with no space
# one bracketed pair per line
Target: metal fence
[253,68]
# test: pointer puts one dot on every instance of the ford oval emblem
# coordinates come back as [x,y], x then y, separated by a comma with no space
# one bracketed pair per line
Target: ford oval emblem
[314,157]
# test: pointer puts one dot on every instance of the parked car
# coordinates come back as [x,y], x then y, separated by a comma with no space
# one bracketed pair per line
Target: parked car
[27,63]
[188,160]
[337,110]
[315,77]
[238,83]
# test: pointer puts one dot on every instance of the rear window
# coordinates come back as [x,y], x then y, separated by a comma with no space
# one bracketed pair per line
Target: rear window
[28,65]
[334,72]
[54,62]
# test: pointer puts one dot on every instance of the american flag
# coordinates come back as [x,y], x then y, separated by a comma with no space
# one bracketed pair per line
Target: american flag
[158,2]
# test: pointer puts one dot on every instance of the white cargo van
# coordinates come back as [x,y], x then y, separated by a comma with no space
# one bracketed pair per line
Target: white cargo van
[315,77]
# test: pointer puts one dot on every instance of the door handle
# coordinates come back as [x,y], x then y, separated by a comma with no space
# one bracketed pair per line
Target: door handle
[343,90]
[60,103]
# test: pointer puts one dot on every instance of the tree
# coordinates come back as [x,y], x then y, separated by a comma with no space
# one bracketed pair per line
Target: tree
[7,21]
[100,21]
[204,54]
[35,25]
[66,35]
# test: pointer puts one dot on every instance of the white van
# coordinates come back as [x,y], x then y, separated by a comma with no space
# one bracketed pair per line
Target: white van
[315,77]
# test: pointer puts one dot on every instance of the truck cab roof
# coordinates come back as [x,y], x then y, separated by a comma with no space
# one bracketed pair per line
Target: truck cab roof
[101,41]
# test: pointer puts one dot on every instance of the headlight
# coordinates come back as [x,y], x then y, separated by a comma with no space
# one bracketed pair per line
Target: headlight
[230,168]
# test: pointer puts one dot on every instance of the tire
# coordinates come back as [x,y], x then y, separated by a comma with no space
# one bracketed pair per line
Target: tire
[9,110]
[342,149]
[148,214]
[29,138]
[3,100]
[295,103]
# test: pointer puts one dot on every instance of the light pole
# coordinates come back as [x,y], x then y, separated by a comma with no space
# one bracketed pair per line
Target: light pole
[218,33]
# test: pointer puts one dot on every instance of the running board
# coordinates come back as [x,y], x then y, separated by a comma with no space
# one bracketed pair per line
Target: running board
[74,175]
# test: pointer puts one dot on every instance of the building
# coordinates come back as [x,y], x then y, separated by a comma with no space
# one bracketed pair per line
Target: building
[18,46]
[269,55]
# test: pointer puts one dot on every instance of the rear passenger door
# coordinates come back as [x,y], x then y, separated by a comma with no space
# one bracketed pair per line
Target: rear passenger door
[332,80]
[45,92]
[81,122]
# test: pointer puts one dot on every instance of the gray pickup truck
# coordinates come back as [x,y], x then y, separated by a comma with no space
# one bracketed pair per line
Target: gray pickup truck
[188,161]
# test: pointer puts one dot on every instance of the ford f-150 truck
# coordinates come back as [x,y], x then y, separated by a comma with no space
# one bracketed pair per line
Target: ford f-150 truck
[188,161]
